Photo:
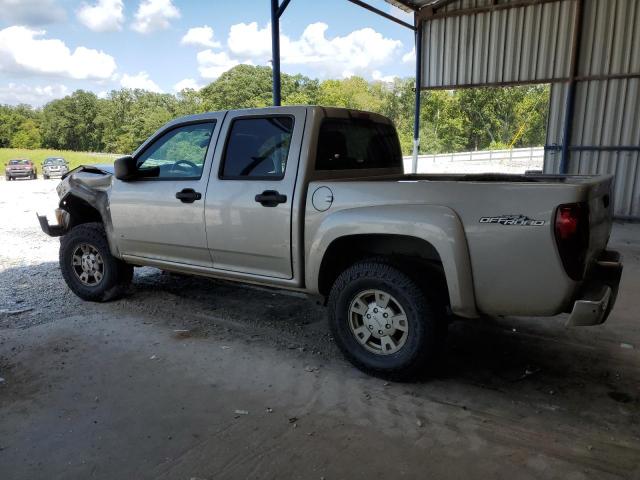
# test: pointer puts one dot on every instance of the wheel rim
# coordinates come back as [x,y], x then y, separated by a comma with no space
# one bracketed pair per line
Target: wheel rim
[87,264]
[378,322]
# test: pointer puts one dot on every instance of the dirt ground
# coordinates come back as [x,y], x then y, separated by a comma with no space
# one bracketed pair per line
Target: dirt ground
[190,378]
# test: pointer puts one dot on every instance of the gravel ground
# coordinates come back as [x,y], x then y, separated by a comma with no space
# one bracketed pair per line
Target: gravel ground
[196,378]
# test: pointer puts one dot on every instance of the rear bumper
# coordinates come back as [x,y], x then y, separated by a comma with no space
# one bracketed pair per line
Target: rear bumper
[598,294]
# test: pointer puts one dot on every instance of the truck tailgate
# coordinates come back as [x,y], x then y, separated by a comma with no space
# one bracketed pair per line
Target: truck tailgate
[600,214]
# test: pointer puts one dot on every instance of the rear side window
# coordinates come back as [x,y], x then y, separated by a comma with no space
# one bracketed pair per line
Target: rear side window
[356,143]
[257,148]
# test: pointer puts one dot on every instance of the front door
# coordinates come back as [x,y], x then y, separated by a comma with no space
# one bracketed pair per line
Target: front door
[249,199]
[161,216]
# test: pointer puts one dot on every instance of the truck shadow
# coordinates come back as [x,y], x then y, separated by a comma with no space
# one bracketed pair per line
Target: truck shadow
[518,357]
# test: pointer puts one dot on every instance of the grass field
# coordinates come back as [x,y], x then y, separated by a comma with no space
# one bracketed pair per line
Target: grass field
[74,158]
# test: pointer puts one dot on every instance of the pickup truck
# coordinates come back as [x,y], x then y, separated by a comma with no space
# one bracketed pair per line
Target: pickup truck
[315,200]
[20,168]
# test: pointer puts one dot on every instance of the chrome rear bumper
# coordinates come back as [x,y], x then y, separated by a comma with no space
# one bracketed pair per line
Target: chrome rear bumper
[599,291]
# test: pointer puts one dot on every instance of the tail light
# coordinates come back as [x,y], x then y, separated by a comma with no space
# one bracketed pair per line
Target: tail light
[572,237]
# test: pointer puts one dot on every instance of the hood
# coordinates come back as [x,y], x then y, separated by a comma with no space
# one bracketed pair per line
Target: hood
[104,169]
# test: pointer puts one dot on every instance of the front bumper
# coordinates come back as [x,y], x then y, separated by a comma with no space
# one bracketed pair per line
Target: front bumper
[598,294]
[55,230]
[20,173]
[55,173]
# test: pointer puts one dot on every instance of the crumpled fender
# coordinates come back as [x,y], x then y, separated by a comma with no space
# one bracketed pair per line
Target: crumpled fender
[438,225]
[91,185]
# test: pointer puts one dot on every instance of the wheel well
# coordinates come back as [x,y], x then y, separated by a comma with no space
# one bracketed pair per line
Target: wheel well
[80,211]
[414,256]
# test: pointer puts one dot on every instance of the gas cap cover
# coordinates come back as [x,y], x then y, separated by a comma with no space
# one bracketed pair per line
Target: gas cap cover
[322,199]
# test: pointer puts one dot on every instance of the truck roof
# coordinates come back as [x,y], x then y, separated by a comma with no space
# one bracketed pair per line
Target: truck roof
[328,111]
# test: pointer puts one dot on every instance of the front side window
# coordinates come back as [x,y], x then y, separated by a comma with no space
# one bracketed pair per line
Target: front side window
[357,143]
[178,154]
[257,148]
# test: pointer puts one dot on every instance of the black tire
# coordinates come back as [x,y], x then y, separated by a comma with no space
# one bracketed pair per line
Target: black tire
[46,177]
[417,356]
[34,176]
[116,275]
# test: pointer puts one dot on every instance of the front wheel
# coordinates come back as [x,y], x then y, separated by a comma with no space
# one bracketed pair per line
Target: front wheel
[382,322]
[88,267]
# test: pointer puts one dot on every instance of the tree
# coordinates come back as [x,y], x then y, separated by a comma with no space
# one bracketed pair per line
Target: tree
[27,136]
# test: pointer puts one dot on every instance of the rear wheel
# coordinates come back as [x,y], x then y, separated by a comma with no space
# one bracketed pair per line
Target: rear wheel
[382,321]
[46,177]
[88,267]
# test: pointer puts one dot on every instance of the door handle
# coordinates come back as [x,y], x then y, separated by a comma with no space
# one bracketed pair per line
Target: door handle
[270,198]
[188,195]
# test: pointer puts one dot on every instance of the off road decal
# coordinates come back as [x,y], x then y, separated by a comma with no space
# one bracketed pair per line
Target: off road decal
[520,220]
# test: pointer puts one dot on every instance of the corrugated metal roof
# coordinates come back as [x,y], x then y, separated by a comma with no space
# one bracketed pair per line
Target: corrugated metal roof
[528,43]
[412,5]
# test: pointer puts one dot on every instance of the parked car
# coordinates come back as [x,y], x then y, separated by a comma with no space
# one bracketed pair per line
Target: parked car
[315,200]
[20,168]
[54,167]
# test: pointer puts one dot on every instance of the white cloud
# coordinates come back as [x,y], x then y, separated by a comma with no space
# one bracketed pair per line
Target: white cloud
[140,80]
[14,94]
[410,56]
[189,83]
[154,15]
[200,36]
[357,53]
[22,51]
[103,16]
[31,12]
[247,40]
[211,65]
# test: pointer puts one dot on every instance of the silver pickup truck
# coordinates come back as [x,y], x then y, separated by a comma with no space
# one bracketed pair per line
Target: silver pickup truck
[315,199]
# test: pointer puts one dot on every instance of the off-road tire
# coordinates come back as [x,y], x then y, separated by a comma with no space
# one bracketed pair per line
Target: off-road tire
[117,274]
[417,357]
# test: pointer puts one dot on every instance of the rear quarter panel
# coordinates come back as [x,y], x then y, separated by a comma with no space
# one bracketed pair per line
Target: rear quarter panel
[515,269]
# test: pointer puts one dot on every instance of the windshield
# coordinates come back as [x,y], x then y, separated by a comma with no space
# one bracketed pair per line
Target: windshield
[357,143]
[18,162]
[54,161]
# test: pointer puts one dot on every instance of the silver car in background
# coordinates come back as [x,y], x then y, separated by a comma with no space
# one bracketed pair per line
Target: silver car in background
[54,167]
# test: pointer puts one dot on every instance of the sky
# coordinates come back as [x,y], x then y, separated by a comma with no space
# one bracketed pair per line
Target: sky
[49,48]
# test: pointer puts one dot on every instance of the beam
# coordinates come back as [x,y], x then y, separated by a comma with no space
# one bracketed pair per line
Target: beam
[416,111]
[571,89]
[275,50]
[382,13]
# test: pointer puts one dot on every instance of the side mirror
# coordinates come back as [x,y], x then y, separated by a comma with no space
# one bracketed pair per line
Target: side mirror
[125,168]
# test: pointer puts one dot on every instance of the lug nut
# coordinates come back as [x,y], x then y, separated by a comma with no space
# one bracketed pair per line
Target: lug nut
[387,326]
[368,316]
[375,310]
[385,315]
[380,332]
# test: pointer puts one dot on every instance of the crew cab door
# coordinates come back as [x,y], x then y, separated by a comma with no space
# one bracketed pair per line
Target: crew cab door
[249,199]
[162,217]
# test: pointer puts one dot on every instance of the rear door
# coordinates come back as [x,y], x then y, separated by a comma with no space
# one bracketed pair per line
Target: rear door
[162,217]
[249,201]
